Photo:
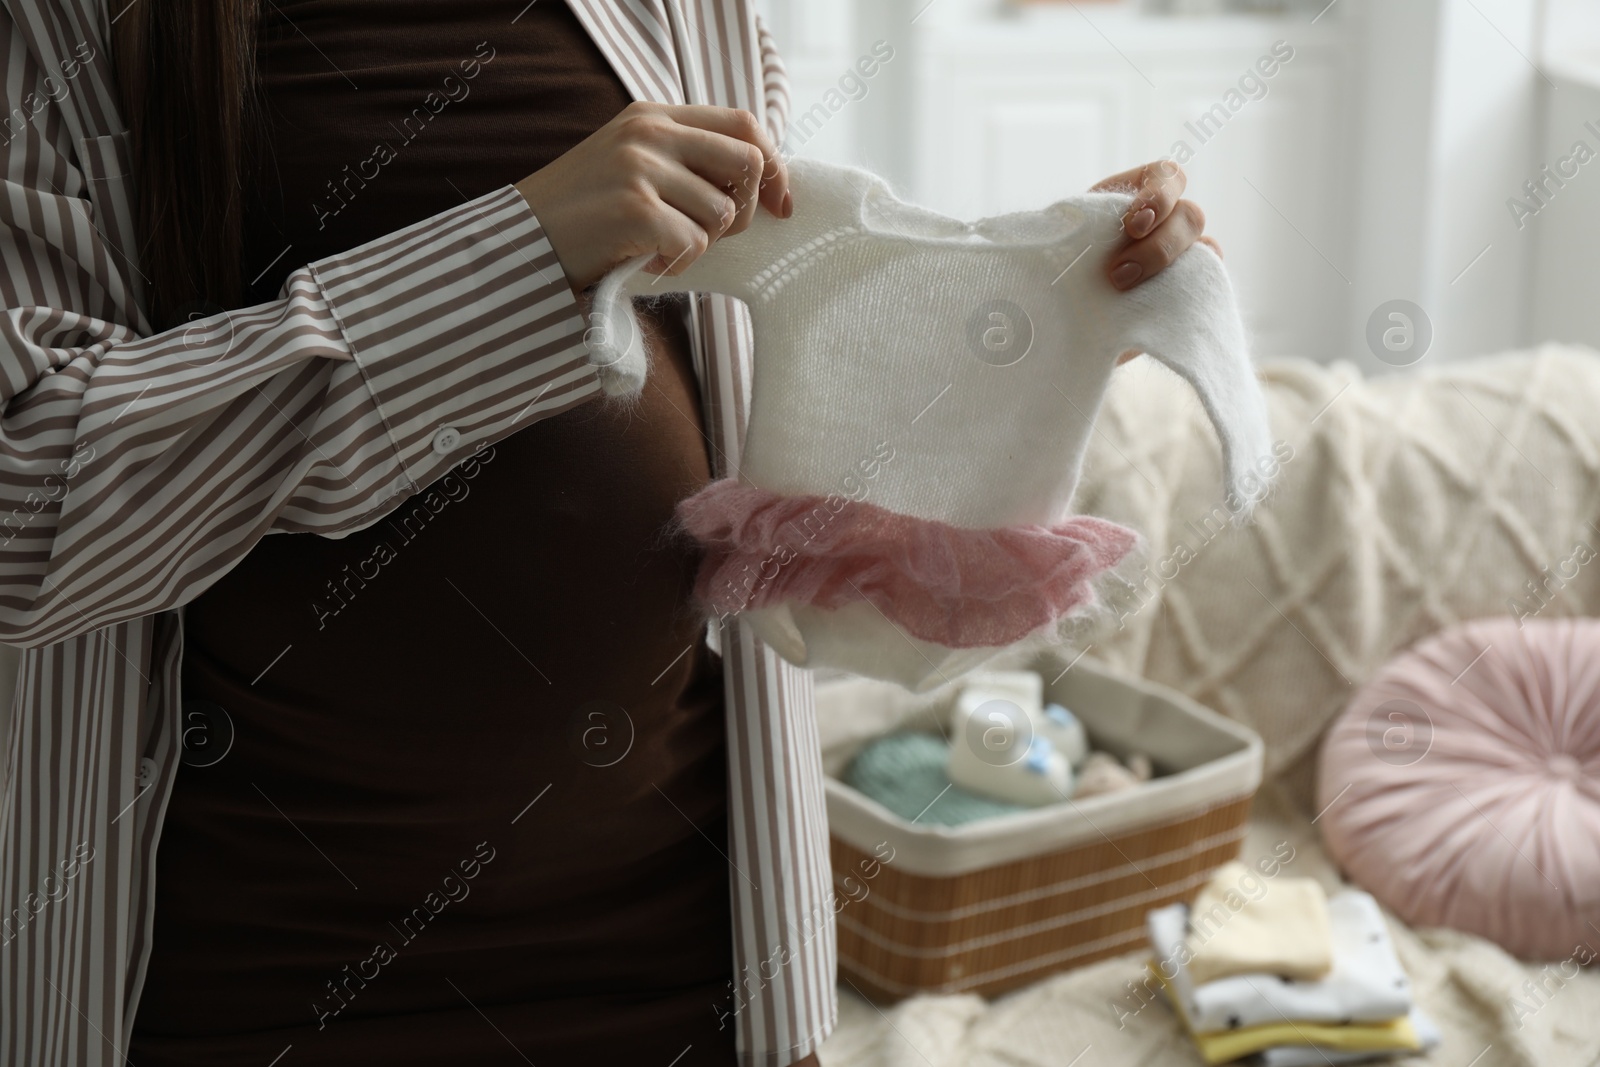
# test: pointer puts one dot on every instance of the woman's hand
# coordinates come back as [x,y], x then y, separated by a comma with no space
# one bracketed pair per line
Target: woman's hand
[1161,225]
[662,178]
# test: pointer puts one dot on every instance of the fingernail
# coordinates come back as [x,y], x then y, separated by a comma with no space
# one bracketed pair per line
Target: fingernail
[788,203]
[1126,274]
[1142,221]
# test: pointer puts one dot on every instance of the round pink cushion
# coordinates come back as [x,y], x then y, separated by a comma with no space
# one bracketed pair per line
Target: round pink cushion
[1461,787]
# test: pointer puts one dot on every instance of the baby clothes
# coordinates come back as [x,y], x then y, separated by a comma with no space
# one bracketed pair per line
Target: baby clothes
[1365,984]
[924,390]
[1302,1055]
[1374,1040]
[1281,930]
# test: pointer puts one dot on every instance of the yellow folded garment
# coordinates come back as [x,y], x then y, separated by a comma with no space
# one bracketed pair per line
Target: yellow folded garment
[1243,923]
[1396,1035]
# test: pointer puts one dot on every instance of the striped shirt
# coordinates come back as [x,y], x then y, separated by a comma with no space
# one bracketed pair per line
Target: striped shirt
[136,468]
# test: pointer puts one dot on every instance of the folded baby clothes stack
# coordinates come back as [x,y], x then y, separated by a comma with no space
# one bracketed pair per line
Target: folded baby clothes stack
[923,393]
[1311,1055]
[1254,924]
[1360,1009]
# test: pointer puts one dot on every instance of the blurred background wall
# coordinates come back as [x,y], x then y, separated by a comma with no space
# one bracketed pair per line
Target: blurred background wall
[1377,162]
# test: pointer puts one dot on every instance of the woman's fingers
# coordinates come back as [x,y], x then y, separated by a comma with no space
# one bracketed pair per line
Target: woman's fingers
[1159,222]
[766,179]
[713,209]
[679,241]
[658,179]
[1156,192]
[1156,188]
[1155,251]
[732,166]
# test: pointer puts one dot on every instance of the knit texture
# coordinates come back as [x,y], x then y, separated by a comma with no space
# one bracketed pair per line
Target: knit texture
[946,371]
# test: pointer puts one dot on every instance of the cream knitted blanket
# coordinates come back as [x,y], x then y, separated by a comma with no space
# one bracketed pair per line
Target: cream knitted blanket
[1407,503]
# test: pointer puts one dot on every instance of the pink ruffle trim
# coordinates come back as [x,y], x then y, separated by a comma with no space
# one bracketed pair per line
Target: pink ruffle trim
[955,587]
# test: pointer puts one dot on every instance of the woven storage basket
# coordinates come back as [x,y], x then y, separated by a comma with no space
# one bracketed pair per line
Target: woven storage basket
[993,905]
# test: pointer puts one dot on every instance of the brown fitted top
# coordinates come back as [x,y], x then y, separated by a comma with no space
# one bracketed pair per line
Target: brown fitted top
[473,805]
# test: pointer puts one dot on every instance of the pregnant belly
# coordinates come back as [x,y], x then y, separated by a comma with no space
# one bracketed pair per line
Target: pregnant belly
[481,738]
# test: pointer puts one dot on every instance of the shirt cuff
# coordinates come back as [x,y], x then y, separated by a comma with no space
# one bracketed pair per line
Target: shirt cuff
[464,327]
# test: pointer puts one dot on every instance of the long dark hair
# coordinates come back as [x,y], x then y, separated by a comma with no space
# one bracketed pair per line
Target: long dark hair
[186,76]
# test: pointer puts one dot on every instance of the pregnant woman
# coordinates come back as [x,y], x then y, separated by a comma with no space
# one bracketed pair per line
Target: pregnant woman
[461,780]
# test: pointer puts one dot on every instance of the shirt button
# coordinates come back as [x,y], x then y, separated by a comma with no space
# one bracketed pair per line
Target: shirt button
[446,440]
[147,771]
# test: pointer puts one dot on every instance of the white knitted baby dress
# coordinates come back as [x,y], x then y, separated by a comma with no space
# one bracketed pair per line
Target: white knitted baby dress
[923,393]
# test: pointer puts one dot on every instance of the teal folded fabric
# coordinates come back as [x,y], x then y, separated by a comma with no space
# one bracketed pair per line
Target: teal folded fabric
[905,772]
